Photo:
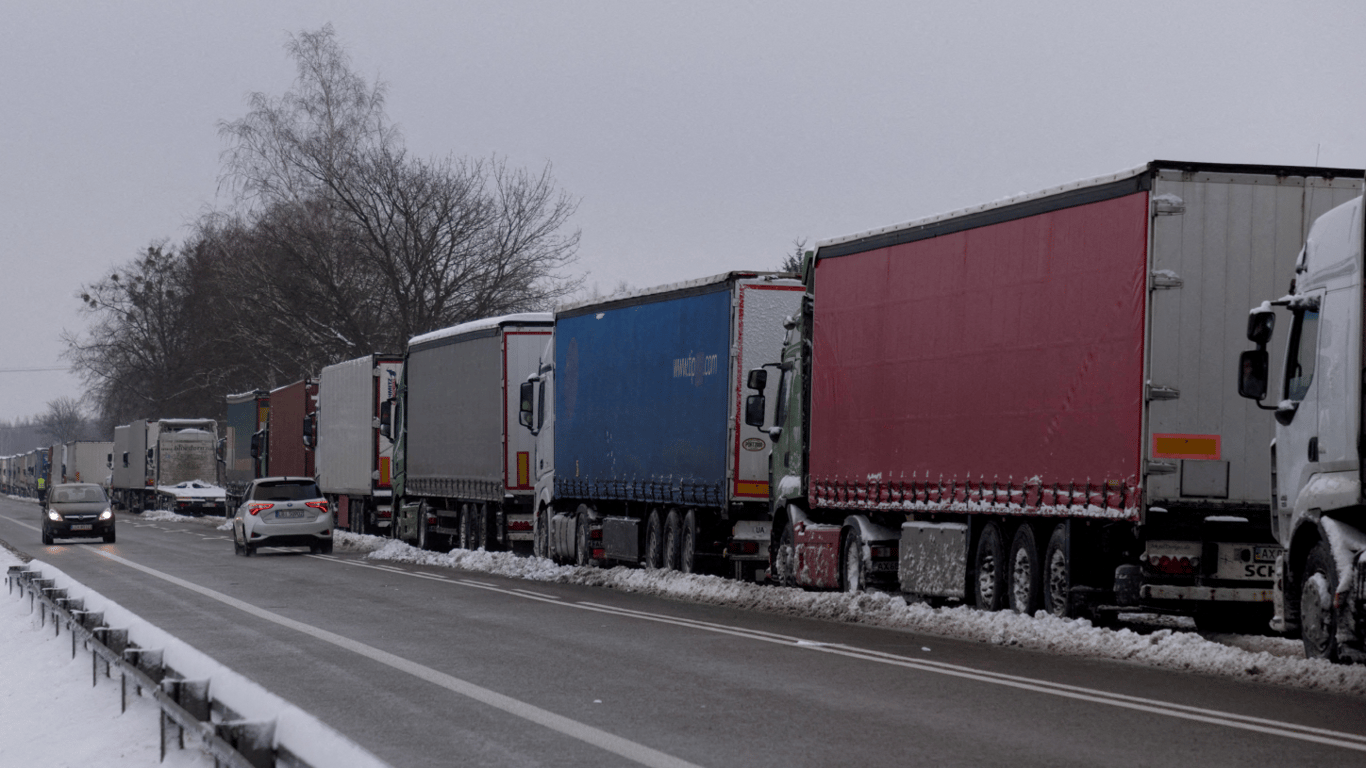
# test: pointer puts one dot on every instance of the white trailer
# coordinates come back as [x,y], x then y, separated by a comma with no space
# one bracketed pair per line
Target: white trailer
[353,460]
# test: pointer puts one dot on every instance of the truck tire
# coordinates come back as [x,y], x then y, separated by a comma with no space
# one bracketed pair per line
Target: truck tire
[483,527]
[784,568]
[466,528]
[1057,576]
[654,539]
[1026,572]
[1318,622]
[583,552]
[423,538]
[687,544]
[989,565]
[853,571]
[540,534]
[673,525]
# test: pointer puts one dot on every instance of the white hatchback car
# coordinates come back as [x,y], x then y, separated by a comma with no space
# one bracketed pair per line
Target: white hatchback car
[282,512]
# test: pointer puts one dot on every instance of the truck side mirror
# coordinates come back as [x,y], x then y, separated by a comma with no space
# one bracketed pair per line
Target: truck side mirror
[256,444]
[311,425]
[525,395]
[754,408]
[1260,324]
[758,380]
[1252,373]
[386,420]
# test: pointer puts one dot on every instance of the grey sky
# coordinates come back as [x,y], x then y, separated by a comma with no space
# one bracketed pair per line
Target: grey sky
[700,136]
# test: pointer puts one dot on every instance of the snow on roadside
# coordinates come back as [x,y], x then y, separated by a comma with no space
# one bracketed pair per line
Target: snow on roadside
[46,692]
[1266,660]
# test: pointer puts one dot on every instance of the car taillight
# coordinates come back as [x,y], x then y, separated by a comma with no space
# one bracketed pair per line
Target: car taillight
[321,506]
[257,507]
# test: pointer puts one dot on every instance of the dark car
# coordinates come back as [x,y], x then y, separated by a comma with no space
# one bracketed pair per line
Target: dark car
[77,511]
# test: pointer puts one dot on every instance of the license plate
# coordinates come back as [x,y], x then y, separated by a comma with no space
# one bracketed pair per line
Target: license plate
[289,514]
[85,527]
[885,566]
[1266,554]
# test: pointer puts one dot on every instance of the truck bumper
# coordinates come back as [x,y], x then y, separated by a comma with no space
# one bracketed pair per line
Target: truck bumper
[1206,594]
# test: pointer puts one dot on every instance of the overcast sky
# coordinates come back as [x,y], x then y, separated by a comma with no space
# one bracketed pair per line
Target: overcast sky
[699,136]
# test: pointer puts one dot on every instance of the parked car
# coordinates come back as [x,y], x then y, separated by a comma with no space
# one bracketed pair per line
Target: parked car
[282,512]
[77,510]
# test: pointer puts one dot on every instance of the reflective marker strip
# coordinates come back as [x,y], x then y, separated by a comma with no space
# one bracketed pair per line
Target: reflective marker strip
[586,733]
[1176,446]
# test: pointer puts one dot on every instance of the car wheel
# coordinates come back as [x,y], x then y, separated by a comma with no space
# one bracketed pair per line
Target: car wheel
[47,537]
[325,548]
[1318,622]
[109,537]
[236,544]
[673,525]
[687,544]
[248,550]
[1057,577]
[1026,573]
[852,576]
[654,539]
[989,562]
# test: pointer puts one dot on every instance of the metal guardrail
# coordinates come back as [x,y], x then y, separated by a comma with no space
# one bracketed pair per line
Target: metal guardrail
[186,705]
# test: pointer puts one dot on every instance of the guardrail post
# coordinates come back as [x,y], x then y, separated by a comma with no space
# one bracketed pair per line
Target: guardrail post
[252,739]
[192,696]
[148,661]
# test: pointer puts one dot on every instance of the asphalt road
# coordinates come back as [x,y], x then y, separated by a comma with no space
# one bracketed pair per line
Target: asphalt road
[435,667]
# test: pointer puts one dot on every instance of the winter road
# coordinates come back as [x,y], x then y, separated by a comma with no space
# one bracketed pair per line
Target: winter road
[432,667]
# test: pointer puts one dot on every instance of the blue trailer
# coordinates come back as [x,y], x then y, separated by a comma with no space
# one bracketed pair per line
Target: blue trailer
[642,454]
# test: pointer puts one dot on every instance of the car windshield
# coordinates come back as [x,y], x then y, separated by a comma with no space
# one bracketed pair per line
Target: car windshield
[77,495]
[287,491]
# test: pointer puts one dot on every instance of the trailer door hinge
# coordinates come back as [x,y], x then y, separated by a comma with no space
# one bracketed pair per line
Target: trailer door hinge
[1165,278]
[1159,467]
[1155,392]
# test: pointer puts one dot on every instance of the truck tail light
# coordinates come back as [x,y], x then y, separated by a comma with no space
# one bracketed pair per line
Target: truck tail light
[521,525]
[595,533]
[258,506]
[744,547]
[1178,566]
[385,514]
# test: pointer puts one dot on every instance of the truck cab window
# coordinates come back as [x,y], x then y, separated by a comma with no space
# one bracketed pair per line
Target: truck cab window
[1304,344]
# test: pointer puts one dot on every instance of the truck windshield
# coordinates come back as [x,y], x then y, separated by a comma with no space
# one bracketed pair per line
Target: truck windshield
[1304,343]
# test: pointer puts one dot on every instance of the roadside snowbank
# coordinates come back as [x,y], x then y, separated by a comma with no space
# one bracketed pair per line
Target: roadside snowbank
[1267,660]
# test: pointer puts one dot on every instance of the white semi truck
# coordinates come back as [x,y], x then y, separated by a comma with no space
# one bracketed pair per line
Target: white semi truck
[1318,456]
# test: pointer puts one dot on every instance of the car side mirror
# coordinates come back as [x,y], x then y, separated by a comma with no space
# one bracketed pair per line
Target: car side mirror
[1252,374]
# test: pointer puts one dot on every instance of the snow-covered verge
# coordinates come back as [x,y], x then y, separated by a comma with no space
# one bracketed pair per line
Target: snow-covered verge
[44,691]
[1267,660]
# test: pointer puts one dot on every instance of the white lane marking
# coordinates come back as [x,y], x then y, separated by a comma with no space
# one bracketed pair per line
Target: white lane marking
[582,731]
[475,583]
[534,594]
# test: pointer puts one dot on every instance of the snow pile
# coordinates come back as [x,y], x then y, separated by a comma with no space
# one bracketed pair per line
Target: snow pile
[1261,659]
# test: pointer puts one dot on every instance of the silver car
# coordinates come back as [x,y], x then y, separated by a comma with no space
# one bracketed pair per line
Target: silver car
[282,512]
[77,510]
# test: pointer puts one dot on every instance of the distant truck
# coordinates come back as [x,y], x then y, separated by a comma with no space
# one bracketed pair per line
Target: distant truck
[82,461]
[353,460]
[1318,460]
[243,451]
[462,464]
[1027,404]
[289,436]
[152,456]
[642,455]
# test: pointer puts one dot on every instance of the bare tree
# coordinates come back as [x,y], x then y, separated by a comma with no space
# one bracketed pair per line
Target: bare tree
[64,420]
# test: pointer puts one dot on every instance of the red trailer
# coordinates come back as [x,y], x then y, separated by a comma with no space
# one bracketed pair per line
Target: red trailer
[1027,404]
[290,450]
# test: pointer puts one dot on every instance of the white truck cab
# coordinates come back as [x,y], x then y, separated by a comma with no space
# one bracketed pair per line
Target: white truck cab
[1318,507]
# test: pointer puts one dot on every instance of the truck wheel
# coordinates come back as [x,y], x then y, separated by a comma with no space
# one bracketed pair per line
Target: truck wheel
[583,553]
[1318,623]
[853,575]
[1057,579]
[672,528]
[654,539]
[540,535]
[784,570]
[989,588]
[466,527]
[687,545]
[1026,575]
[481,527]
[423,538]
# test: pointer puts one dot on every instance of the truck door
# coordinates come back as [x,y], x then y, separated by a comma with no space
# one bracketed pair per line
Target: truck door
[544,423]
[1297,431]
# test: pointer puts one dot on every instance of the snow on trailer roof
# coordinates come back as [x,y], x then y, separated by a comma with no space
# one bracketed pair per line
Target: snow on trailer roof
[674,287]
[483,324]
[182,423]
[1098,181]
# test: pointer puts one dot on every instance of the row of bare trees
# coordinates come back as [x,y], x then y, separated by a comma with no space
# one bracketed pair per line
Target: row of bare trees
[339,243]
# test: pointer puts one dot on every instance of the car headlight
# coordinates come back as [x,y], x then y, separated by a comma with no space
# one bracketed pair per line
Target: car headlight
[53,516]
[107,514]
